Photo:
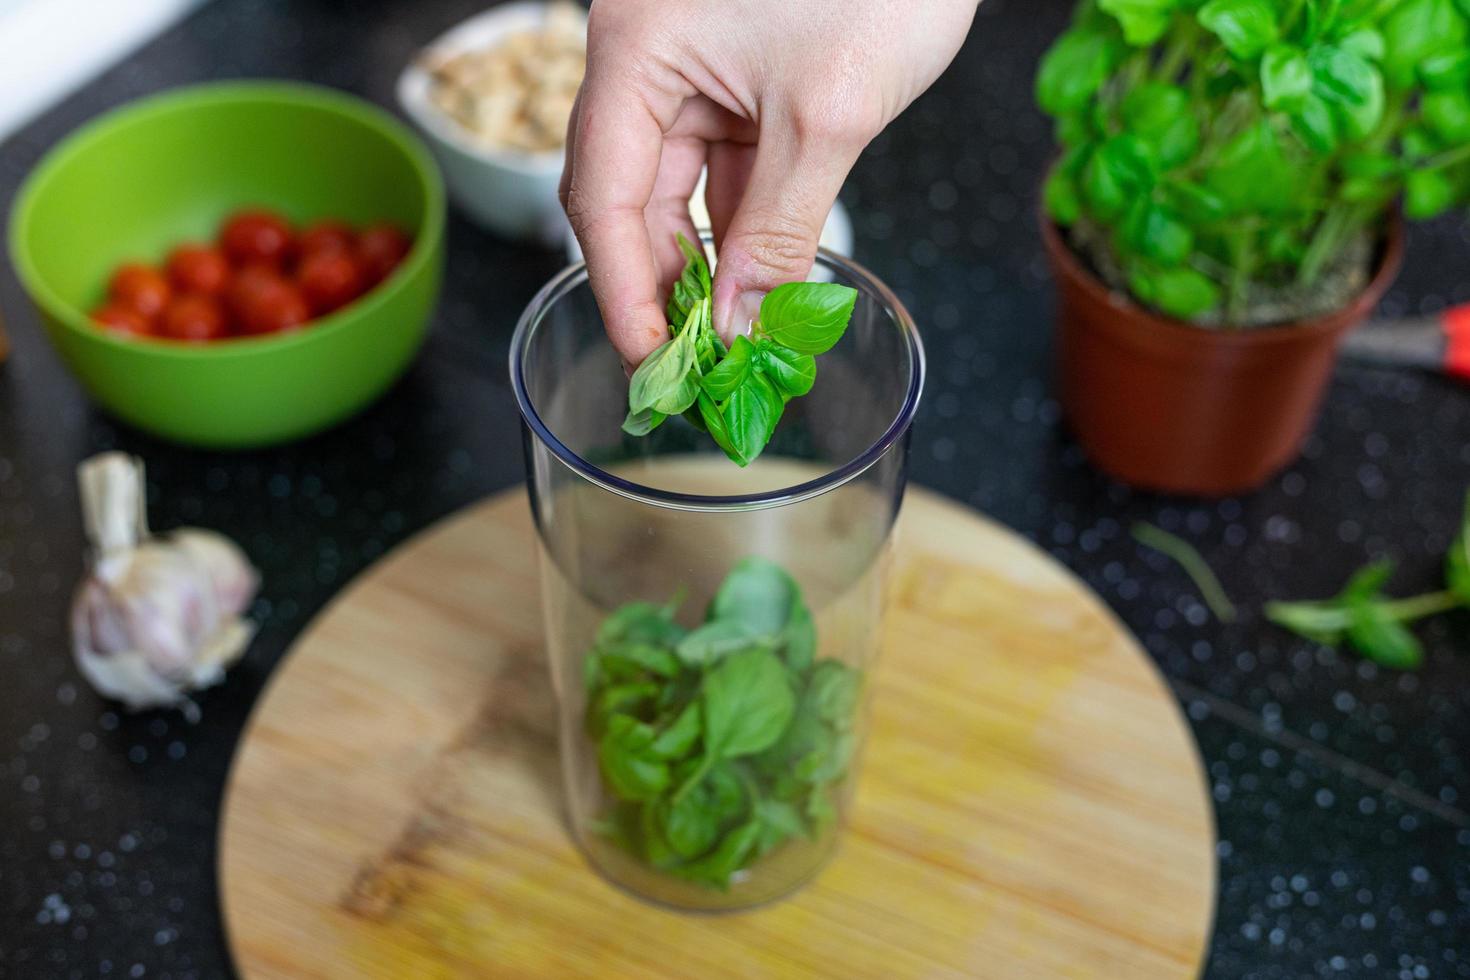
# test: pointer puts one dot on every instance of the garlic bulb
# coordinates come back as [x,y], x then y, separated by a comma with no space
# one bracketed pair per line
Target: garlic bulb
[155,618]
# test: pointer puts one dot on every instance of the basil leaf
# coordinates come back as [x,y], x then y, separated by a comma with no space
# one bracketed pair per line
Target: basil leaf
[641,423]
[618,701]
[655,846]
[1063,198]
[1447,71]
[1121,169]
[835,689]
[1286,77]
[799,638]
[1448,115]
[747,704]
[631,659]
[758,594]
[751,414]
[714,424]
[1180,292]
[793,374]
[807,317]
[828,759]
[1320,622]
[640,622]
[1368,581]
[689,829]
[1415,31]
[730,373]
[1160,115]
[1074,68]
[1365,41]
[1196,203]
[1315,125]
[626,763]
[1342,76]
[1154,232]
[820,811]
[692,822]
[780,821]
[681,735]
[715,641]
[1381,638]
[717,868]
[1252,175]
[1457,562]
[1143,21]
[662,374]
[693,284]
[1429,193]
[1245,27]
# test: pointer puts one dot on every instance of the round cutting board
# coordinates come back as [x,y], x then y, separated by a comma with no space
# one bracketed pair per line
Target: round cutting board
[1031,802]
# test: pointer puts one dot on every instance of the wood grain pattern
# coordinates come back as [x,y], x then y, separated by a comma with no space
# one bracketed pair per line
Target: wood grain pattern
[1031,804]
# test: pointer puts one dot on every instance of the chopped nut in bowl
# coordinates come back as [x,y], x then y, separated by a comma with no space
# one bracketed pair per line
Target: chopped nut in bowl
[493,96]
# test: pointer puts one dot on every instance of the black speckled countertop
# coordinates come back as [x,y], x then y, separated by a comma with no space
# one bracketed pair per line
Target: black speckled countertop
[1342,791]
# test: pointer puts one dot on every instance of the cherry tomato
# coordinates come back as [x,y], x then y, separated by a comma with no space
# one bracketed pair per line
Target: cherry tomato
[323,236]
[140,287]
[198,269]
[195,317]
[256,236]
[328,280]
[121,319]
[243,288]
[379,250]
[268,304]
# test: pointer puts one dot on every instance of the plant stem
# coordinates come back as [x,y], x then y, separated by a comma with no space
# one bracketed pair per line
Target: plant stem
[1419,606]
[1448,158]
[1242,267]
[1325,244]
[705,764]
[1177,52]
[1194,565]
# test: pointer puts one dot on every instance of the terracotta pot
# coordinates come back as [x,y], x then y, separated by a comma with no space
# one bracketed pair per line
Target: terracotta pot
[1164,405]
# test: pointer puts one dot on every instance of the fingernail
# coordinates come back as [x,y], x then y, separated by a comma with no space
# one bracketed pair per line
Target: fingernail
[628,368]
[745,311]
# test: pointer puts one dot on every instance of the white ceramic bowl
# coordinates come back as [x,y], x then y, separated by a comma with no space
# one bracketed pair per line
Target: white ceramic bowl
[507,192]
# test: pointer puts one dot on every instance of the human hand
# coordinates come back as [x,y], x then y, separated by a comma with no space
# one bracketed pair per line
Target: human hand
[777,97]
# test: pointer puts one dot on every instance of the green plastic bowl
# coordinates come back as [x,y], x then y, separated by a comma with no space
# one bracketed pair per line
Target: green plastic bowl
[169,168]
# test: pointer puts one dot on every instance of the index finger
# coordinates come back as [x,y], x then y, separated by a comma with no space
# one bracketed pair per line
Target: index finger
[611,169]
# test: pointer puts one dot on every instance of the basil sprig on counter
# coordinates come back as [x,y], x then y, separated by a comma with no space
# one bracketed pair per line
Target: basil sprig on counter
[719,744]
[736,394]
[1372,623]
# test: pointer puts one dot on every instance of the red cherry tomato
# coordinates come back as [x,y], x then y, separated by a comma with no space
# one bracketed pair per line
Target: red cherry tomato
[198,269]
[268,304]
[256,236]
[117,318]
[140,287]
[243,288]
[324,236]
[379,250]
[328,280]
[195,317]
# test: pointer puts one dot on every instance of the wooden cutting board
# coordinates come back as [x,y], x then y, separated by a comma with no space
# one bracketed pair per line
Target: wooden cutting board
[1031,804]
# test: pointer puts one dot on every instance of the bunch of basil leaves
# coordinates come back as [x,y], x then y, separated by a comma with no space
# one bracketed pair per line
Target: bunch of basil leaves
[719,744]
[736,394]
[1374,624]
[1226,142]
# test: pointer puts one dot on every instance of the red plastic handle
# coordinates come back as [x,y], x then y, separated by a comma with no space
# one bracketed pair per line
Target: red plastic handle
[1456,323]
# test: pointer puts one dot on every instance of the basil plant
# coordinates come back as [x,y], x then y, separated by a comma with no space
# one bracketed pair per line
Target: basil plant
[1215,149]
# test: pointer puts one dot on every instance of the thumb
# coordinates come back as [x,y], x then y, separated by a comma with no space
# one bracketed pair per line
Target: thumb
[772,237]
